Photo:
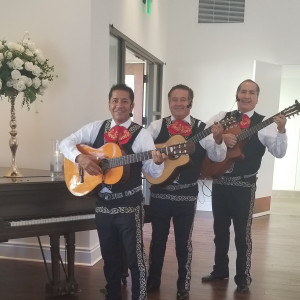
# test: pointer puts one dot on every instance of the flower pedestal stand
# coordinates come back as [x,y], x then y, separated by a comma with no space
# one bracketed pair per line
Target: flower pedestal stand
[13,142]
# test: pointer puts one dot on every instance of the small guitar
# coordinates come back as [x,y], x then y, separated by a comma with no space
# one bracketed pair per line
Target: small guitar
[210,169]
[172,164]
[80,183]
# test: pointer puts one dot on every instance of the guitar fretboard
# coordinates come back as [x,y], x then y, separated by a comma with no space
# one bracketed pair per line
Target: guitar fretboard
[246,133]
[200,135]
[129,159]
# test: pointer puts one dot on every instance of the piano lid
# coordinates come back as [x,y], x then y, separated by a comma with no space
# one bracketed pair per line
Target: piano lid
[37,195]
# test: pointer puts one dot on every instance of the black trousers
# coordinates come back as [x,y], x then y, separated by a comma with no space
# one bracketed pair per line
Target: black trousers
[121,229]
[233,202]
[182,213]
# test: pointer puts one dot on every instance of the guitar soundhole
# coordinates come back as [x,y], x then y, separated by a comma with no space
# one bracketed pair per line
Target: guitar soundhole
[176,151]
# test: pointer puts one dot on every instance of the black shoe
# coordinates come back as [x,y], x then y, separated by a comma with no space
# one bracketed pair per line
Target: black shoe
[242,289]
[152,287]
[182,294]
[212,277]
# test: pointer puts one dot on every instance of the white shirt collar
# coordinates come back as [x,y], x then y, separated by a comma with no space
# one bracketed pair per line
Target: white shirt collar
[249,113]
[186,119]
[125,124]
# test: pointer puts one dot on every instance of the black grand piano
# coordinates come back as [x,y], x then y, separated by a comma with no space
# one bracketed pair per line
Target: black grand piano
[36,205]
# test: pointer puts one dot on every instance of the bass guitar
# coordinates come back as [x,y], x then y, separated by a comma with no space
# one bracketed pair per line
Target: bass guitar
[81,183]
[173,164]
[213,170]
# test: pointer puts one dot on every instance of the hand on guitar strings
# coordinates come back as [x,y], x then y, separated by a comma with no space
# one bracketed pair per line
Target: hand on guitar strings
[280,120]
[90,163]
[158,157]
[230,140]
[217,130]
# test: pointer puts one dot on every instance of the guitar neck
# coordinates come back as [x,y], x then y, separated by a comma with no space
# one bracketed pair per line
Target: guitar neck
[200,135]
[129,159]
[252,130]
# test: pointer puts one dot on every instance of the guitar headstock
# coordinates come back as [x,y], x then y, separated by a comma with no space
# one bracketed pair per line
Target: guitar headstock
[232,120]
[176,150]
[291,110]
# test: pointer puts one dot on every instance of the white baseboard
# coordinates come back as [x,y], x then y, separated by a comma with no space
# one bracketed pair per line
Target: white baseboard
[264,213]
[20,250]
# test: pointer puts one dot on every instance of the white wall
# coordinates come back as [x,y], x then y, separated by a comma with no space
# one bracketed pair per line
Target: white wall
[287,169]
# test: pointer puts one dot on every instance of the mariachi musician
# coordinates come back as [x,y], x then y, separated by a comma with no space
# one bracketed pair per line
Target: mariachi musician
[233,194]
[178,199]
[119,211]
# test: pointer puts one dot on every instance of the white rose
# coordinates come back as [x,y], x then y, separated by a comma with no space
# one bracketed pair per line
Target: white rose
[10,64]
[1,46]
[37,51]
[9,83]
[41,91]
[31,46]
[29,66]
[15,74]
[28,52]
[1,56]
[15,46]
[45,83]
[36,70]
[28,81]
[18,63]
[8,55]
[19,85]
[40,58]
[36,82]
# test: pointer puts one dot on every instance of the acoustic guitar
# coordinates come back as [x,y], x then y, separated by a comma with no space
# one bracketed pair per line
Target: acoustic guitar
[173,164]
[213,170]
[81,183]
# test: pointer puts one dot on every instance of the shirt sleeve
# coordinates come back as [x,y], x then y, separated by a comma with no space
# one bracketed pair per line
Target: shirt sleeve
[85,135]
[142,143]
[154,128]
[214,151]
[275,142]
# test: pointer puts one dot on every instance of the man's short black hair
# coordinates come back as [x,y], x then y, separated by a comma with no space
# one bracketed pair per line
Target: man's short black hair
[182,87]
[123,87]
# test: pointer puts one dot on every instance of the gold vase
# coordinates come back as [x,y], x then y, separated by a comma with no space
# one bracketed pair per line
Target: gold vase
[13,142]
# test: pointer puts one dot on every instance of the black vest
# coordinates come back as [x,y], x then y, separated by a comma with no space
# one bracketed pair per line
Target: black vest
[135,178]
[190,172]
[253,151]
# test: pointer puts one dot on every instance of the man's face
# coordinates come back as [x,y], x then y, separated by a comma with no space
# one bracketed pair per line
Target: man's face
[178,103]
[120,106]
[248,97]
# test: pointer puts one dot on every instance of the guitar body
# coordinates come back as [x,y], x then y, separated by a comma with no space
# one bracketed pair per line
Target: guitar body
[73,176]
[171,164]
[212,169]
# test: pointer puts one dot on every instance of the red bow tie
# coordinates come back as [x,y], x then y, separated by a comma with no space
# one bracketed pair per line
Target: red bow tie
[118,134]
[180,127]
[245,123]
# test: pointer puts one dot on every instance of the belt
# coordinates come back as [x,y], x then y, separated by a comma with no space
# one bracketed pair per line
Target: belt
[177,186]
[113,196]
[239,177]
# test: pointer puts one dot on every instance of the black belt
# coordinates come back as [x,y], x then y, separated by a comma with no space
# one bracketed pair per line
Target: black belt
[113,196]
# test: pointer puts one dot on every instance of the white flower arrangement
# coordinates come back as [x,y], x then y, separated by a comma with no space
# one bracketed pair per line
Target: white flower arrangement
[23,68]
